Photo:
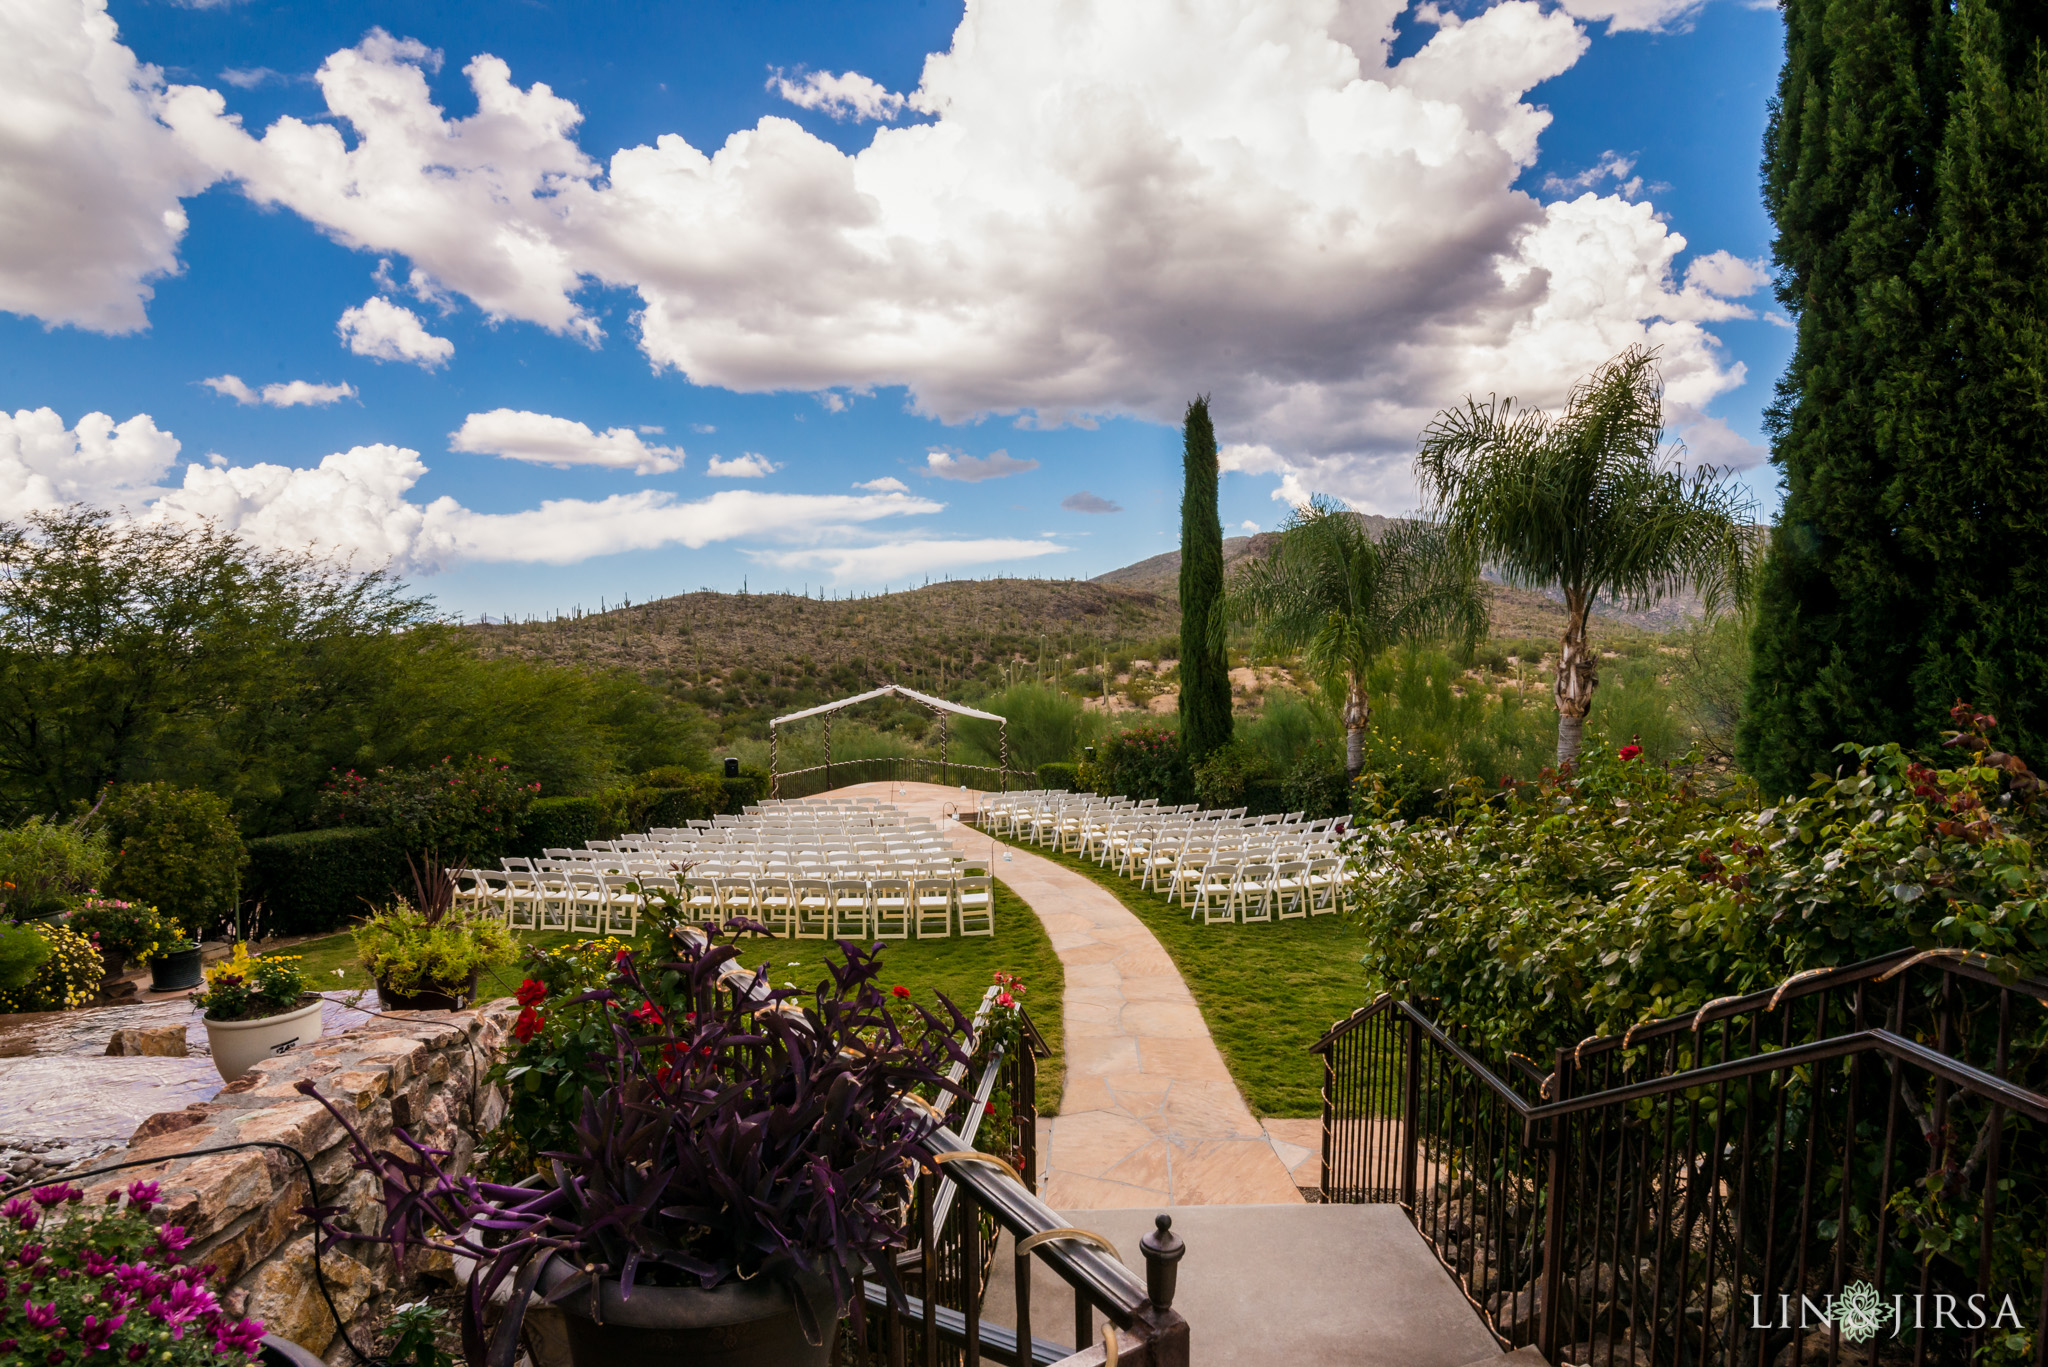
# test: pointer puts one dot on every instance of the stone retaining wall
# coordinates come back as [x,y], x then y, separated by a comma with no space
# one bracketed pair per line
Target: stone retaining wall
[422,1072]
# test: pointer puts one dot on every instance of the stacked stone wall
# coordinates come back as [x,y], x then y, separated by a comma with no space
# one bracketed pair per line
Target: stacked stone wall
[422,1072]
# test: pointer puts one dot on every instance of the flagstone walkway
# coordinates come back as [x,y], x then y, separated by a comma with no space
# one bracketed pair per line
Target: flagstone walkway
[1150,1115]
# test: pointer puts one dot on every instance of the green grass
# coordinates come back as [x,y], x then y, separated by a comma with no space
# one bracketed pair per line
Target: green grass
[959,966]
[1266,991]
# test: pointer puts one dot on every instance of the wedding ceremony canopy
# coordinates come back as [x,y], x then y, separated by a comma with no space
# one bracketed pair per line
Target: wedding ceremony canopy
[939,707]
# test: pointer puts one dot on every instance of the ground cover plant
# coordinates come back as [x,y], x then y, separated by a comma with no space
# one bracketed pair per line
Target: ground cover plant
[1623,890]
[1266,992]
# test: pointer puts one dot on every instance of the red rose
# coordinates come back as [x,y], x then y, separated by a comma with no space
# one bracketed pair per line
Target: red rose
[900,991]
[530,993]
[1630,752]
[647,1013]
[528,1025]
[988,1108]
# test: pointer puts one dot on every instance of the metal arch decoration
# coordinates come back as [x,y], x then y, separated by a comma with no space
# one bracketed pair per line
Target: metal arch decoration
[939,707]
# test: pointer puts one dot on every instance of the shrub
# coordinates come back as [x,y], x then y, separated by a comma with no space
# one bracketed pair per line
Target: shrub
[312,882]
[1549,911]
[47,865]
[1221,779]
[176,848]
[69,978]
[745,790]
[674,805]
[22,952]
[454,813]
[1061,775]
[570,822]
[1315,784]
[408,950]
[127,930]
[1046,725]
[1140,763]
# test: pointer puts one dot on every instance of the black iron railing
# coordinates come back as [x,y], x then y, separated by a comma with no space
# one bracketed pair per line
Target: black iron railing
[1849,1168]
[971,1190]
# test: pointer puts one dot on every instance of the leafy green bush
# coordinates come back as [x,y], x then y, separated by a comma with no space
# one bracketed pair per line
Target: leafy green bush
[176,848]
[1546,912]
[123,930]
[454,813]
[68,978]
[676,805]
[312,882]
[1140,763]
[1060,775]
[1046,725]
[571,822]
[407,950]
[1221,778]
[22,952]
[1315,784]
[744,790]
[47,865]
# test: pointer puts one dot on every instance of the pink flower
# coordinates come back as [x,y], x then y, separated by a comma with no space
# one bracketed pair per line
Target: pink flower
[172,1239]
[1005,999]
[181,1305]
[43,1317]
[30,1255]
[96,1332]
[240,1337]
[143,1195]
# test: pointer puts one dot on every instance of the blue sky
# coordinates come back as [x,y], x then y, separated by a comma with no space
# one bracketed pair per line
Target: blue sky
[1014,264]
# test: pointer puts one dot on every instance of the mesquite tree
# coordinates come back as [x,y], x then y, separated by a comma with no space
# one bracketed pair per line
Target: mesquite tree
[1331,592]
[1204,661]
[1587,501]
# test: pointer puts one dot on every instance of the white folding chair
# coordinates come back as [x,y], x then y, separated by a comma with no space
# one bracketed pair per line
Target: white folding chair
[890,908]
[1290,890]
[850,908]
[933,899]
[1212,891]
[1251,893]
[975,896]
[812,916]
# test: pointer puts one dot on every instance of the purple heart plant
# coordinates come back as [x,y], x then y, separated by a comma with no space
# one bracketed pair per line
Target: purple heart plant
[741,1132]
[102,1284]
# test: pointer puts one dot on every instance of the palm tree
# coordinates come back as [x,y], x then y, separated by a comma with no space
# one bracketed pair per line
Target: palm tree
[1331,592]
[1589,501]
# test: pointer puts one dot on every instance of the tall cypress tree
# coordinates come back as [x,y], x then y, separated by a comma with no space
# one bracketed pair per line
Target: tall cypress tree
[1906,171]
[1204,664]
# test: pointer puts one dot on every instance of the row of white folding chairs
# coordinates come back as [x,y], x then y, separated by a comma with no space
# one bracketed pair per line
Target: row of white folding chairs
[1100,841]
[1167,868]
[850,907]
[1255,891]
[1135,854]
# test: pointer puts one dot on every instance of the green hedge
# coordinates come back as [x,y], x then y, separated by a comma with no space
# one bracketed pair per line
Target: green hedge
[311,882]
[1061,775]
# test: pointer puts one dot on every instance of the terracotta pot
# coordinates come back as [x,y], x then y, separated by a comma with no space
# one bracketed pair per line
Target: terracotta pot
[239,1045]
[430,997]
[740,1324]
[174,972]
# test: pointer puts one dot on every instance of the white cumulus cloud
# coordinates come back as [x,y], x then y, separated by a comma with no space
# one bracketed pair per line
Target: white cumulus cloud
[1727,275]
[752,465]
[975,469]
[899,560]
[289,394]
[1089,178]
[544,439]
[887,484]
[848,95]
[354,505]
[90,180]
[1623,16]
[385,331]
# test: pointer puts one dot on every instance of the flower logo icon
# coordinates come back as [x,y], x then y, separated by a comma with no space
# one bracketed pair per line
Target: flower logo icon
[1860,1312]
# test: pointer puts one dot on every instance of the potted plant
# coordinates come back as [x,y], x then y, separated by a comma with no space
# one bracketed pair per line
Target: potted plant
[745,1160]
[102,1284]
[126,932]
[256,1007]
[175,964]
[429,960]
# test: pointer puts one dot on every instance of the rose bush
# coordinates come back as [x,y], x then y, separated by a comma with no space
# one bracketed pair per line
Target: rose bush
[1619,891]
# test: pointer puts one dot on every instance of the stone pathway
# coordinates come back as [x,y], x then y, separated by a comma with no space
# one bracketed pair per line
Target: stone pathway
[1150,1115]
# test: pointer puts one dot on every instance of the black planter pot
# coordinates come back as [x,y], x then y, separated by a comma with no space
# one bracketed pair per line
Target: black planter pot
[740,1324]
[276,1352]
[433,997]
[174,972]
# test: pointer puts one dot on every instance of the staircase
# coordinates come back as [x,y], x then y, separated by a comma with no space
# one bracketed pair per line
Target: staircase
[1335,1286]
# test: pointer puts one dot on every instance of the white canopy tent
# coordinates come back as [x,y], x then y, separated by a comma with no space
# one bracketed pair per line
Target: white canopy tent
[939,707]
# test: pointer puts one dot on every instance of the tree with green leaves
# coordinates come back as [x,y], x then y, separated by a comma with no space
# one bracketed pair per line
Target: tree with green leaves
[1204,658]
[1906,169]
[1340,598]
[1588,501]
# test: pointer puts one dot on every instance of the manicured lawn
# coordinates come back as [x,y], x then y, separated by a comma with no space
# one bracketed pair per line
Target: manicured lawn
[1266,991]
[960,967]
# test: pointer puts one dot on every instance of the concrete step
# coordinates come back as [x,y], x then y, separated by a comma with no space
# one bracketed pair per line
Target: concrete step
[1337,1286]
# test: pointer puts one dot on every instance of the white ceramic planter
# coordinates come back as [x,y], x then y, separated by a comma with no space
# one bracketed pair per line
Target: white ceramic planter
[239,1045]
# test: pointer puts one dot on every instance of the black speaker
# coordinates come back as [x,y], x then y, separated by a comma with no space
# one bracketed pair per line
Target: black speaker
[732,767]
